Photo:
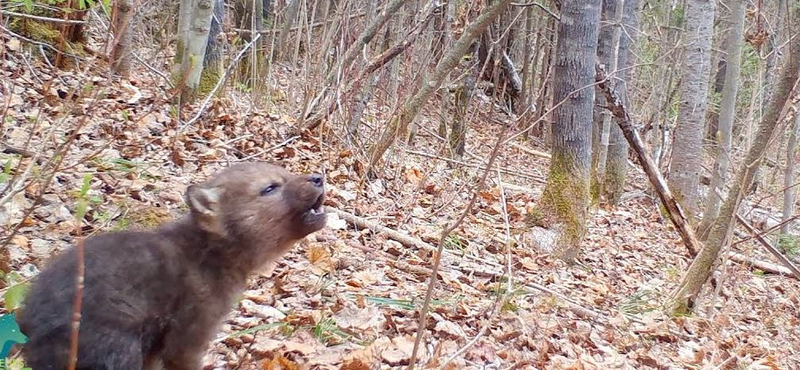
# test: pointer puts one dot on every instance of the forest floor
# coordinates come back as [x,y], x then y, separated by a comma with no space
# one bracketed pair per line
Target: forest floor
[347,298]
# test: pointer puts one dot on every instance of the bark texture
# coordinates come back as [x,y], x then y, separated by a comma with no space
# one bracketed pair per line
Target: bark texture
[617,161]
[790,176]
[684,298]
[292,9]
[684,174]
[726,115]
[566,194]
[607,46]
[194,26]
[123,26]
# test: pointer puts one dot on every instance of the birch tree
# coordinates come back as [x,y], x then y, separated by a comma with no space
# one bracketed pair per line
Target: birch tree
[726,115]
[194,25]
[684,298]
[684,172]
[617,157]
[607,46]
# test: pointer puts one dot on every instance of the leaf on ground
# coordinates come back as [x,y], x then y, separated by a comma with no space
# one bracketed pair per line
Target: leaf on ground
[279,362]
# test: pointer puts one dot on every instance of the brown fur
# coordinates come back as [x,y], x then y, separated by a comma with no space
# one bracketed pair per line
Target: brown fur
[157,297]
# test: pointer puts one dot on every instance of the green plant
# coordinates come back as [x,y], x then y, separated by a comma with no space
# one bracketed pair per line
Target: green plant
[789,244]
[328,332]
[407,304]
[6,174]
[16,292]
[638,302]
[455,243]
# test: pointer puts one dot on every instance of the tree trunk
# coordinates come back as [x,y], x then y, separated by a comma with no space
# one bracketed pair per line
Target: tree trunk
[530,57]
[447,40]
[683,299]
[726,116]
[365,95]
[565,199]
[194,25]
[687,152]
[398,123]
[775,41]
[291,14]
[607,46]
[365,37]
[789,177]
[122,24]
[458,131]
[250,15]
[212,63]
[617,161]
[548,62]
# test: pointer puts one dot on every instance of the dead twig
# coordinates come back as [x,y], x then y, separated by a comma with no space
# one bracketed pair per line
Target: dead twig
[775,252]
[423,315]
[526,176]
[78,303]
[40,18]
[501,300]
[221,81]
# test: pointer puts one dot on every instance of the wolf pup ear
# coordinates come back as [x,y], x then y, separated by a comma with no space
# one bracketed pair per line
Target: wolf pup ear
[204,203]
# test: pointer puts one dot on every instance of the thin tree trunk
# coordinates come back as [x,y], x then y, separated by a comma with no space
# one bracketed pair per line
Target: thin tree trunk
[458,131]
[123,24]
[625,123]
[447,41]
[212,63]
[365,37]
[775,41]
[789,177]
[365,95]
[529,58]
[398,123]
[291,14]
[566,194]
[250,15]
[687,153]
[607,46]
[617,161]
[194,40]
[726,116]
[683,299]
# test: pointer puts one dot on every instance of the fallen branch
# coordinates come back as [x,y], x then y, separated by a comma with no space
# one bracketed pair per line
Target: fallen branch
[410,241]
[623,119]
[532,152]
[762,265]
[398,236]
[790,269]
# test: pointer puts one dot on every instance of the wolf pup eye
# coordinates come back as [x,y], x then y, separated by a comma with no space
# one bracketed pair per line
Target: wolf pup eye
[269,189]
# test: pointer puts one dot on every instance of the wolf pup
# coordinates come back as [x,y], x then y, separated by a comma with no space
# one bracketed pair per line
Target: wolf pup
[155,298]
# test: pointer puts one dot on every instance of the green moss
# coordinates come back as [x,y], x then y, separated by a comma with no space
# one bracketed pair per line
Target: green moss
[595,189]
[245,70]
[208,80]
[34,30]
[535,218]
[614,183]
[566,201]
